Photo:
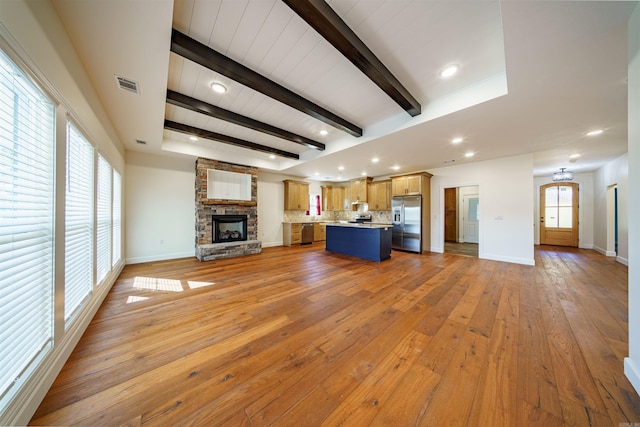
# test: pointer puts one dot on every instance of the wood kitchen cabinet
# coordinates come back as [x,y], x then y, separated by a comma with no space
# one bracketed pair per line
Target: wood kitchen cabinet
[319,232]
[291,233]
[379,195]
[359,189]
[409,184]
[296,195]
[334,198]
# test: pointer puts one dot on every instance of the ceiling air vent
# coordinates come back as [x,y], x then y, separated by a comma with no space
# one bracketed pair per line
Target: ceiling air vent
[126,84]
[139,141]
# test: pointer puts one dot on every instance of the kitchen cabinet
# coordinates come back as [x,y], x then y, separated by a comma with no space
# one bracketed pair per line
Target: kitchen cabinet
[409,184]
[296,195]
[319,231]
[334,198]
[291,233]
[359,189]
[379,195]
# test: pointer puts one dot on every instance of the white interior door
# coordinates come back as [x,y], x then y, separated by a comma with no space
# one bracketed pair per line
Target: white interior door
[471,218]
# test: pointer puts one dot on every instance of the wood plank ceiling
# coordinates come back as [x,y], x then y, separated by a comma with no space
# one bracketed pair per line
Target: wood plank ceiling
[327,23]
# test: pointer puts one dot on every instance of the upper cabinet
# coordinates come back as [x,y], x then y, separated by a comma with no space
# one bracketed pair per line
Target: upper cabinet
[380,195]
[410,184]
[296,195]
[335,198]
[359,189]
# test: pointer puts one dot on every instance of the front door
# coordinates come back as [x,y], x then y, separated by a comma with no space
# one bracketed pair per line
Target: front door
[559,214]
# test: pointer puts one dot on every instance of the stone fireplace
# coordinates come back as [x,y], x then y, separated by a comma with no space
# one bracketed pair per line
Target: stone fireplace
[225,228]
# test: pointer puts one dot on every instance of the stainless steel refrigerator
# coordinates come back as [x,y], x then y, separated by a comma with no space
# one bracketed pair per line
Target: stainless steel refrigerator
[406,217]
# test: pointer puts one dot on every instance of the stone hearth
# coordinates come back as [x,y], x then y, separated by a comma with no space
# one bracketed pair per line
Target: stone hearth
[207,208]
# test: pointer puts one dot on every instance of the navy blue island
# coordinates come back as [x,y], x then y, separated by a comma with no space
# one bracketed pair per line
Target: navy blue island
[369,241]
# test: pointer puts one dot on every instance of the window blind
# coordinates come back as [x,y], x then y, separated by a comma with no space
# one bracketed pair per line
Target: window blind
[26,227]
[103,256]
[78,248]
[117,219]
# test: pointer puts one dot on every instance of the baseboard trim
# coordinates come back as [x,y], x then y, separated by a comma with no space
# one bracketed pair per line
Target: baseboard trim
[162,257]
[514,260]
[622,260]
[632,373]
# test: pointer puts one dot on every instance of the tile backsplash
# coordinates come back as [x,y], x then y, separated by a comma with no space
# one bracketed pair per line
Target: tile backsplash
[300,216]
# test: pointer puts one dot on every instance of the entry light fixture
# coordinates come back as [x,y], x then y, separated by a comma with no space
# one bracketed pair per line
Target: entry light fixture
[595,132]
[324,132]
[457,140]
[563,175]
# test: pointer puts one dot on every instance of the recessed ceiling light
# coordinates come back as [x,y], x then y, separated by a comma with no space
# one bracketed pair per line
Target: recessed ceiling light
[317,174]
[375,160]
[457,140]
[272,156]
[363,173]
[193,138]
[324,132]
[595,132]
[340,168]
[574,156]
[218,87]
[449,71]
[395,167]
[469,154]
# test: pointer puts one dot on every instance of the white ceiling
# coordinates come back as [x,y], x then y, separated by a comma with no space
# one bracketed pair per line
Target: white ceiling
[534,78]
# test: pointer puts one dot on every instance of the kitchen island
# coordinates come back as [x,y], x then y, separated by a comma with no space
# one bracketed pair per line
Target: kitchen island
[369,241]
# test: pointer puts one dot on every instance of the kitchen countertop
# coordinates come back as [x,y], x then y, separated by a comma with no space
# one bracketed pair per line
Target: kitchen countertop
[359,225]
[335,222]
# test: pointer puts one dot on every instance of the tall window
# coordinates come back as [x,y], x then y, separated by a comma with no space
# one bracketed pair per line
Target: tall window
[26,227]
[78,249]
[117,218]
[104,212]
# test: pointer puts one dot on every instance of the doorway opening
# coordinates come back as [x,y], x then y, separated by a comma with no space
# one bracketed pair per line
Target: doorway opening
[462,220]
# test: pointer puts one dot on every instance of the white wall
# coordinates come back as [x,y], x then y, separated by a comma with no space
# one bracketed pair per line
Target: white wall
[632,363]
[613,173]
[506,206]
[160,207]
[270,208]
[585,212]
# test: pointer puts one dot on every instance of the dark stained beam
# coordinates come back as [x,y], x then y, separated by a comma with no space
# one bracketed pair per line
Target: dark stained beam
[193,104]
[202,133]
[329,25]
[199,53]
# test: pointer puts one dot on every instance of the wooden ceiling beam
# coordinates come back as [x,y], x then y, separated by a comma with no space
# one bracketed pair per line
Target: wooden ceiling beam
[202,133]
[193,104]
[199,53]
[329,25]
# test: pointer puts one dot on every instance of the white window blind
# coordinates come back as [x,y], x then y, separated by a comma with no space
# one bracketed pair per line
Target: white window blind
[103,256]
[26,227]
[78,249]
[117,218]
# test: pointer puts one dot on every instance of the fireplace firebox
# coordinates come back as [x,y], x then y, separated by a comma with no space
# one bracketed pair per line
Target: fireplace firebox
[229,228]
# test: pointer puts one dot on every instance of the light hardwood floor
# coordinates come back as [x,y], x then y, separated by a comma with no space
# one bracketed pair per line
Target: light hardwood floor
[297,336]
